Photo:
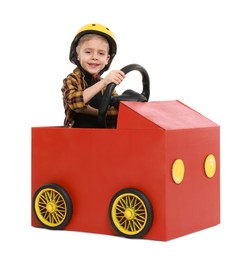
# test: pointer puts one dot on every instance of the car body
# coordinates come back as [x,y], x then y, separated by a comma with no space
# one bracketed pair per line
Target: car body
[155,176]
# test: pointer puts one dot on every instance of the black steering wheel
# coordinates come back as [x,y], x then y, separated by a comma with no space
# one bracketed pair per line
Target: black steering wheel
[128,95]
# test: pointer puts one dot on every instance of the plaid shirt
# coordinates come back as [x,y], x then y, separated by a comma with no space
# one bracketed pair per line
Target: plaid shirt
[73,86]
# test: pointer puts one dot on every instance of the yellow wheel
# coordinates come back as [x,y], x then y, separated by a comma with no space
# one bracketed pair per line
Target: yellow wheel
[52,206]
[131,213]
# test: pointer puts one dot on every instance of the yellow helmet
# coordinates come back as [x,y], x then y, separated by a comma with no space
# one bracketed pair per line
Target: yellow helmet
[96,29]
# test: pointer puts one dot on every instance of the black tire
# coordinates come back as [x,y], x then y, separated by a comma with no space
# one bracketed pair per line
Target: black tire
[131,213]
[52,206]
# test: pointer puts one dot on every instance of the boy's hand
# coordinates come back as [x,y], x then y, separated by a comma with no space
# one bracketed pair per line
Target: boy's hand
[115,76]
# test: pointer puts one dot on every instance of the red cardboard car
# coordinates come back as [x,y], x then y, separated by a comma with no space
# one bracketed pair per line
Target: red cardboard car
[155,176]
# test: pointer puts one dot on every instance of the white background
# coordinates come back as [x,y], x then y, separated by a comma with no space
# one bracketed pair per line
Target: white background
[194,51]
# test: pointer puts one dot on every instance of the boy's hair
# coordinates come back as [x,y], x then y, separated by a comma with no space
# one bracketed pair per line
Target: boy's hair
[87,37]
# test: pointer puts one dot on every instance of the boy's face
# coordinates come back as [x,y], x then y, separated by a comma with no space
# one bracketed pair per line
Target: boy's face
[93,55]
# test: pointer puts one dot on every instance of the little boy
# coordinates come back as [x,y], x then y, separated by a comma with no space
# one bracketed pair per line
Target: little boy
[92,51]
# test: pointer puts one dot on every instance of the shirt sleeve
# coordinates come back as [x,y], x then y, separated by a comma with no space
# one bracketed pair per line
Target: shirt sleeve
[73,93]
